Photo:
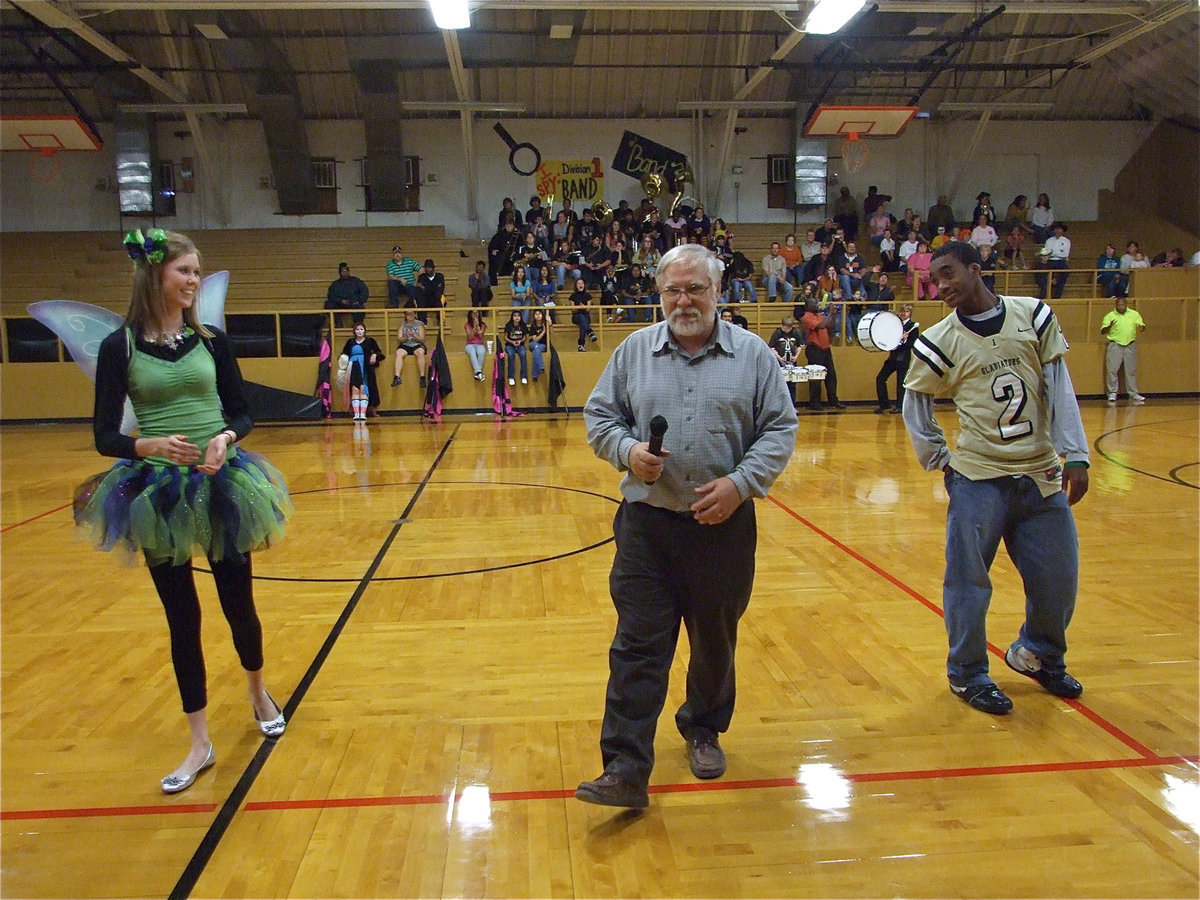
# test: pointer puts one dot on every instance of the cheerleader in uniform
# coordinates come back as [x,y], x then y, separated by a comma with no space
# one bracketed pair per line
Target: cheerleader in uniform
[183,484]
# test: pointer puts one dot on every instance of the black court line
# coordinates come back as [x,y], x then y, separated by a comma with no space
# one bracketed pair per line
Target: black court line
[212,838]
[1172,478]
[298,579]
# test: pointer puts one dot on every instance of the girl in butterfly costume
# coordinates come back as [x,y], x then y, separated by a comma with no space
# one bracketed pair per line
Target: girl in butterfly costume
[183,484]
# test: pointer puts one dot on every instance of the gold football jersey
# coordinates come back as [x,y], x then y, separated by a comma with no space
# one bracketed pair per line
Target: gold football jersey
[998,388]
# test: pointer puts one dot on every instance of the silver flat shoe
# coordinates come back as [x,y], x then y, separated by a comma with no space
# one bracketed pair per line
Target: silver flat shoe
[271,728]
[173,784]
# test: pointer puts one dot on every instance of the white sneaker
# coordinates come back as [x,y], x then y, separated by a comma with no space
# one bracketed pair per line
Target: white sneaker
[1137,400]
[1112,401]
[511,382]
[524,381]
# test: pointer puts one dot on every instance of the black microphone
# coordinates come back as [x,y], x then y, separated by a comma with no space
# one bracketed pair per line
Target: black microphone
[658,427]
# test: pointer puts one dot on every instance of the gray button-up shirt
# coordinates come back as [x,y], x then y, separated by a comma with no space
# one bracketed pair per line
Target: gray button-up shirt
[728,408]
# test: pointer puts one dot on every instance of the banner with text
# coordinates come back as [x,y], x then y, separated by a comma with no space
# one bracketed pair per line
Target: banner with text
[639,156]
[579,180]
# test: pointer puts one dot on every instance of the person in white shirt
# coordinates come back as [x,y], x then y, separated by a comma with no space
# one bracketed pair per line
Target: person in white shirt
[983,234]
[1042,218]
[907,249]
[1055,254]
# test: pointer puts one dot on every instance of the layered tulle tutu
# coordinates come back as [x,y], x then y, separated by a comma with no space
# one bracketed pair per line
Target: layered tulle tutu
[169,513]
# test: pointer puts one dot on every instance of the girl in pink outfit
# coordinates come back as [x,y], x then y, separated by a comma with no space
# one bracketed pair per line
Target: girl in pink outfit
[918,269]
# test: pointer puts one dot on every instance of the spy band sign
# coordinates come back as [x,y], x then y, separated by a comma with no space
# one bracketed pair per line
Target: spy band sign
[639,156]
[577,180]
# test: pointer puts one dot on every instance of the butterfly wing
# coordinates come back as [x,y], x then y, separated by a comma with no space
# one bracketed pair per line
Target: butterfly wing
[82,327]
[210,306]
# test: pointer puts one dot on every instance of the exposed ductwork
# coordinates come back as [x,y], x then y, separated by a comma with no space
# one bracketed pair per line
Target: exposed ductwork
[276,103]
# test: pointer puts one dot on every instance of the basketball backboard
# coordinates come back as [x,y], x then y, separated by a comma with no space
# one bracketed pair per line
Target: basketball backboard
[856,122]
[46,134]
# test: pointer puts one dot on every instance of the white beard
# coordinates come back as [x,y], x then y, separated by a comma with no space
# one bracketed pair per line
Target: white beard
[691,322]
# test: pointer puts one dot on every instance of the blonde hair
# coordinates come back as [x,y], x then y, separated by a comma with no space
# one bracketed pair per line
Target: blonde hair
[146,298]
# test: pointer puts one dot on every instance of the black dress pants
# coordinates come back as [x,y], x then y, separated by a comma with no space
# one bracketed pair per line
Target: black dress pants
[670,569]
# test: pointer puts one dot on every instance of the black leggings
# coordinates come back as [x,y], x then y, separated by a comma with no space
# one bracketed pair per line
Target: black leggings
[177,591]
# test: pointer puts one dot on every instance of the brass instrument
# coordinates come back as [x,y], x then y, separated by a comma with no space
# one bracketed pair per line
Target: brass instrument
[652,184]
[682,177]
[603,213]
[550,210]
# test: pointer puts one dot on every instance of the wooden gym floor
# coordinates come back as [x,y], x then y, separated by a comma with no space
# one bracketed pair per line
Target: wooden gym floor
[437,624]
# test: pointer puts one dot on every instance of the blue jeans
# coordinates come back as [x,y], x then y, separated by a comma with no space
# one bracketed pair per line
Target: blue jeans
[561,270]
[512,352]
[775,284]
[1039,535]
[737,285]
[536,350]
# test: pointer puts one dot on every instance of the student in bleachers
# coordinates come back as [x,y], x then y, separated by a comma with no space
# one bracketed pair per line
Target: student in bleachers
[401,276]
[918,272]
[774,274]
[1108,271]
[1012,248]
[581,313]
[793,258]
[1042,218]
[539,340]
[521,288]
[565,260]
[515,334]
[431,292]
[879,223]
[480,285]
[509,213]
[983,207]
[411,342]
[887,252]
[347,291]
[476,332]
[635,288]
[544,288]
[983,232]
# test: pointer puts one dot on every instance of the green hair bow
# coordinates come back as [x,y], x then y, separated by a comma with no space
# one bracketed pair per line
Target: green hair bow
[151,247]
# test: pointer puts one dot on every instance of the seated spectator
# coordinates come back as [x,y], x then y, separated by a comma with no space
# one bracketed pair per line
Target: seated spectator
[598,259]
[502,250]
[888,256]
[647,255]
[1108,271]
[983,207]
[827,232]
[852,269]
[921,230]
[431,291]
[572,216]
[401,277]
[509,213]
[828,280]
[635,288]
[723,251]
[515,333]
[480,285]
[613,235]
[411,342]
[941,215]
[581,313]
[816,265]
[699,223]
[834,311]
[984,233]
[522,289]
[1042,219]
[873,201]
[733,315]
[347,292]
[589,228]
[845,213]
[854,313]
[793,258]
[810,248]
[879,223]
[1017,216]
[1012,248]
[539,340]
[907,249]
[676,229]
[559,231]
[939,239]
[1171,259]
[774,274]
[987,255]
[536,211]
[905,226]
[543,289]
[1055,255]
[476,331]
[918,273]
[740,272]
[878,290]
[608,286]
[530,254]
[720,228]
[565,260]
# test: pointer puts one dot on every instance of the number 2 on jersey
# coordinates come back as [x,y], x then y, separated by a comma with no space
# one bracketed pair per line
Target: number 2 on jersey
[1009,389]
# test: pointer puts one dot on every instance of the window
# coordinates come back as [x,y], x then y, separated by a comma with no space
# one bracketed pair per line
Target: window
[324,169]
[411,201]
[779,181]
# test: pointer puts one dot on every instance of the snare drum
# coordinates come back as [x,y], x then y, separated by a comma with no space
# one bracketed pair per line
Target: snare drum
[880,330]
[795,374]
[816,373]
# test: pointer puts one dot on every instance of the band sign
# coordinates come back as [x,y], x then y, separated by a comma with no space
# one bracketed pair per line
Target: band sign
[571,179]
[639,156]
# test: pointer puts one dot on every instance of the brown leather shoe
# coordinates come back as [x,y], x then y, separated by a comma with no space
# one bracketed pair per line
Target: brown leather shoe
[613,790]
[706,758]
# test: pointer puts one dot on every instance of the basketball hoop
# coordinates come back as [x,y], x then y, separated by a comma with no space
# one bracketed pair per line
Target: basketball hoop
[854,152]
[45,165]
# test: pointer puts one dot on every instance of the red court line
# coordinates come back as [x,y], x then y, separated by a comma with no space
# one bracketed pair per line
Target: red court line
[96,812]
[48,512]
[1095,718]
[690,787]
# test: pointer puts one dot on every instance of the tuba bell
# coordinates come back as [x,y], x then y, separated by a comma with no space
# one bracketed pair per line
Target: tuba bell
[603,213]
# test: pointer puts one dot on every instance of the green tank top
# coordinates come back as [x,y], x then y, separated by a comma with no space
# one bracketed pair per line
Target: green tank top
[177,397]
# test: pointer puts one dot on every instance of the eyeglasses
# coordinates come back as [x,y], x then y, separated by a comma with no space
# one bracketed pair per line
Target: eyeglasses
[693,291]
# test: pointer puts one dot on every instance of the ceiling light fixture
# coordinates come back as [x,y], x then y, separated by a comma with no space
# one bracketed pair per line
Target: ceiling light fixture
[450,15]
[830,15]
